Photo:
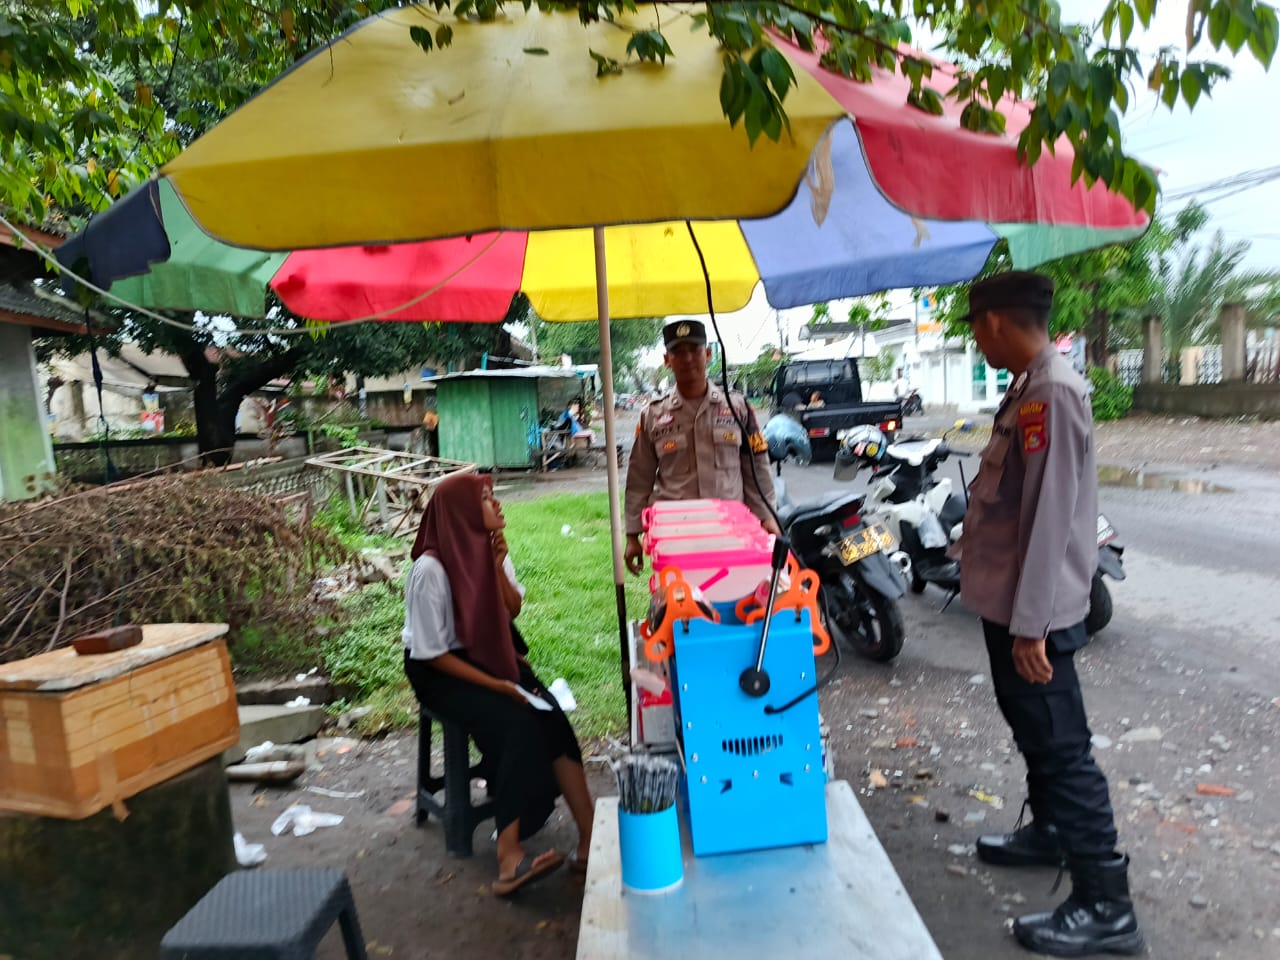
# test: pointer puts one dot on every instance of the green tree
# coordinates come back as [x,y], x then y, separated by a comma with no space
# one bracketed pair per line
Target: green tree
[1192,284]
[879,368]
[756,376]
[629,339]
[81,118]
[1166,273]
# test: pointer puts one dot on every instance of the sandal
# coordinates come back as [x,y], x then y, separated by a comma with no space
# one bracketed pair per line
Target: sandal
[525,874]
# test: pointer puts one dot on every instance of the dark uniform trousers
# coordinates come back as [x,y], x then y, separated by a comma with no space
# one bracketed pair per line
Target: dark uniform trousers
[1065,787]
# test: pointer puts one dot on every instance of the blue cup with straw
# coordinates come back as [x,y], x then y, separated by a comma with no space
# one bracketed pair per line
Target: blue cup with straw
[648,826]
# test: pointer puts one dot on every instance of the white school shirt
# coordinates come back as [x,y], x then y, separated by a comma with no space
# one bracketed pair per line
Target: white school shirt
[428,609]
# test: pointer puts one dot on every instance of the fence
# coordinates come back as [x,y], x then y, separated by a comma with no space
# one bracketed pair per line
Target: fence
[1262,364]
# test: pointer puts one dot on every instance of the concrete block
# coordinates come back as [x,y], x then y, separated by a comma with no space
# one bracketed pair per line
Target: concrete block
[259,722]
[315,689]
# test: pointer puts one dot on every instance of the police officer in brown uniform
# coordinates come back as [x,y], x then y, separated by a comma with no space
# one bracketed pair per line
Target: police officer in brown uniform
[1029,552]
[691,443]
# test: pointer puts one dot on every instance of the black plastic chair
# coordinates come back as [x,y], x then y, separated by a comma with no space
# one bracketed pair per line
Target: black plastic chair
[457,813]
[267,915]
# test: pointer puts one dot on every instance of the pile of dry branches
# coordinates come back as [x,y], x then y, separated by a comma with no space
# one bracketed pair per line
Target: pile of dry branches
[168,549]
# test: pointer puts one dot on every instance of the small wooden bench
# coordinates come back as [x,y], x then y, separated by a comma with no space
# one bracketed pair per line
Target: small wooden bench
[838,899]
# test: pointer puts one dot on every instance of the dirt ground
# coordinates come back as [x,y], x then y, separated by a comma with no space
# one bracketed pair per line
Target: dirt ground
[1206,869]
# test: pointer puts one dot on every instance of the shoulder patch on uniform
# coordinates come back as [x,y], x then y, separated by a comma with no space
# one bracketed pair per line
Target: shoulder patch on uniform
[1031,423]
[639,428]
[758,442]
[1033,408]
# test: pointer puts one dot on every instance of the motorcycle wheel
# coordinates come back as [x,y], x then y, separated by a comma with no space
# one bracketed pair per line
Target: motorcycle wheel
[872,625]
[1100,608]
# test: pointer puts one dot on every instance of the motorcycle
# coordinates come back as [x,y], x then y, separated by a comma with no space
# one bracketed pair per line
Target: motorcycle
[1111,564]
[860,587]
[926,517]
[917,507]
[912,404]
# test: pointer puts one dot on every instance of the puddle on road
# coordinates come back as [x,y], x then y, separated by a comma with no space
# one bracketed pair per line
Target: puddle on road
[1146,480]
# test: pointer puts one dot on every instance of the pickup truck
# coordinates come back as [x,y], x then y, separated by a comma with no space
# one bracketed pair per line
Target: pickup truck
[838,405]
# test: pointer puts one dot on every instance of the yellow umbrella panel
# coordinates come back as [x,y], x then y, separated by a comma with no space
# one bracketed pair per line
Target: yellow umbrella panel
[371,140]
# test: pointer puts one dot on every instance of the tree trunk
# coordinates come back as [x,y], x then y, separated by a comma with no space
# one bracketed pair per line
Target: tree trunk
[214,442]
[1099,334]
[217,398]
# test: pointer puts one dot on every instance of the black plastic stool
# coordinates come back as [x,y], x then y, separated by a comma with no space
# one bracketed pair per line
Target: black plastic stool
[266,915]
[456,813]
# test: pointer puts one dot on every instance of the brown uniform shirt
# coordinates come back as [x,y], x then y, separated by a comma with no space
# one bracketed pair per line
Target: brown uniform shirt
[1030,542]
[687,450]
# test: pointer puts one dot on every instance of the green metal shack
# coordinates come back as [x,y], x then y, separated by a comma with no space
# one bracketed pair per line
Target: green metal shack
[494,418]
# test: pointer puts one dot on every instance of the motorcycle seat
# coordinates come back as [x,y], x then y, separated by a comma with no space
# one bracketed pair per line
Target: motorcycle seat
[912,452]
[792,513]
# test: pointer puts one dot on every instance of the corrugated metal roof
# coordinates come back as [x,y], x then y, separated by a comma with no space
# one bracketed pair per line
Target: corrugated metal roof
[528,373]
[26,300]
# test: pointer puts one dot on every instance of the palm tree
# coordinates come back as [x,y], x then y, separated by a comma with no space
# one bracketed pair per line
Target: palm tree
[1191,283]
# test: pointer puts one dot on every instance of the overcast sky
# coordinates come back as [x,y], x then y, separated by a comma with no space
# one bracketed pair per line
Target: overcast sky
[1236,131]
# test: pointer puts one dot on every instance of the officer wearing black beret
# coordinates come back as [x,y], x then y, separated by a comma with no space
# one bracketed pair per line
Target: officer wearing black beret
[1029,552]
[695,442]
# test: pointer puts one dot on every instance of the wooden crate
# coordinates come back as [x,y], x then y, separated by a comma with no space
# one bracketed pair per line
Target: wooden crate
[78,734]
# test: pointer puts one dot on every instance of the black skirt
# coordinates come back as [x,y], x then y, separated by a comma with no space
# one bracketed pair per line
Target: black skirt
[518,743]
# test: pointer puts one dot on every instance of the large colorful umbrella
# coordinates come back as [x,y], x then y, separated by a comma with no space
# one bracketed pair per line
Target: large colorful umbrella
[159,257]
[368,141]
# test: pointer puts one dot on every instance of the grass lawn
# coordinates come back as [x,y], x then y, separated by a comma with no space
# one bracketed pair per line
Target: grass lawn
[569,617]
[568,620]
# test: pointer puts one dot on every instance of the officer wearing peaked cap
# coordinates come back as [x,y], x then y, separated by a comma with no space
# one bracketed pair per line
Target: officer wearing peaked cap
[1029,551]
[692,443]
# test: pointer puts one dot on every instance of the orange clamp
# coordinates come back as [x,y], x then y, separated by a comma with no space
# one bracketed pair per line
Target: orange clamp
[680,604]
[801,594]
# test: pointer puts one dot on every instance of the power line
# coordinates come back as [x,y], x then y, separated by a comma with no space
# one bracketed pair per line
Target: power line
[1225,187]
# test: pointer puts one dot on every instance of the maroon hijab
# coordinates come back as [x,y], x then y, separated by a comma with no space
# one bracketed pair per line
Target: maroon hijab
[453,532]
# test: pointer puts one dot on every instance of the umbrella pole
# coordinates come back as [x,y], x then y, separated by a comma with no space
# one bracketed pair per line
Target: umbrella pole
[611,457]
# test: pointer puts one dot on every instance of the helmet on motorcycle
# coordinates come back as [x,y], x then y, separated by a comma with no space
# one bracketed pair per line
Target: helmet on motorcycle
[865,443]
[861,445]
[785,437]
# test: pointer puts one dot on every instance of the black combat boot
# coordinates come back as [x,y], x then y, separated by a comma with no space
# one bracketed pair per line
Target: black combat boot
[1032,845]
[1097,918]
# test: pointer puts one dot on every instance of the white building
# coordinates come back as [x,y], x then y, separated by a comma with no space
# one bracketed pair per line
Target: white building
[949,373]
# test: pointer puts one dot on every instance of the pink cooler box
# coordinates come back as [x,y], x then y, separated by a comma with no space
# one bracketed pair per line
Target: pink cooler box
[725,568]
[664,529]
[697,511]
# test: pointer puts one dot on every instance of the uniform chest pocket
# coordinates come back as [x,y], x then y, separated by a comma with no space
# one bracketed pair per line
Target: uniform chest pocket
[672,452]
[728,444]
[986,486]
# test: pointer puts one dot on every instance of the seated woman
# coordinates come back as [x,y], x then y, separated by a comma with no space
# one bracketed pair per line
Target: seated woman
[461,657]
